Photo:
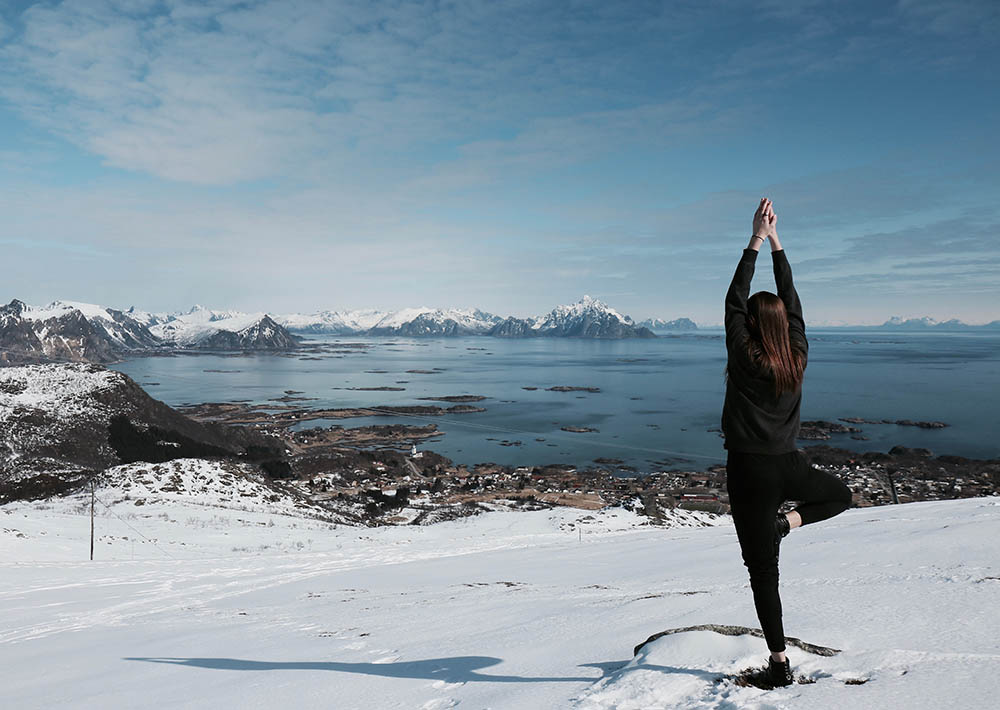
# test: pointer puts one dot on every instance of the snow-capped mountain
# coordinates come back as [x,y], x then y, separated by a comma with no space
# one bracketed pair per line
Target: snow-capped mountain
[74,331]
[332,322]
[69,330]
[427,321]
[587,318]
[926,322]
[676,324]
[262,334]
[422,321]
[204,328]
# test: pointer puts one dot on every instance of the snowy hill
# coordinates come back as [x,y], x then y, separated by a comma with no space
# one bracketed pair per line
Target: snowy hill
[203,607]
[227,485]
[62,423]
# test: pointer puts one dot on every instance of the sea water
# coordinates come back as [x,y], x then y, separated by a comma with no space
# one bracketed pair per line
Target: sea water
[659,403]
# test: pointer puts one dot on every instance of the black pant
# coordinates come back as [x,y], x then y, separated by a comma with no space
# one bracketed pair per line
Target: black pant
[758,484]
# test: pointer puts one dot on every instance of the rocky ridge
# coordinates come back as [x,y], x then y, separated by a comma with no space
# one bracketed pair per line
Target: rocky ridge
[61,424]
[83,332]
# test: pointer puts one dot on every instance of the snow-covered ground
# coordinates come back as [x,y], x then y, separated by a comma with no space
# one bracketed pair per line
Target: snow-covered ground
[191,603]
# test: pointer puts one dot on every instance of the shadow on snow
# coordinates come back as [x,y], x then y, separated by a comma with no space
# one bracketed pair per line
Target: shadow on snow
[457,669]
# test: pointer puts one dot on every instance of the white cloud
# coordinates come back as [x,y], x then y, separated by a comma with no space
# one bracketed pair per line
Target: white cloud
[386,144]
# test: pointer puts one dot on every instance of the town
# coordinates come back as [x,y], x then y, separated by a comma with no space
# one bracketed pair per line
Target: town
[389,481]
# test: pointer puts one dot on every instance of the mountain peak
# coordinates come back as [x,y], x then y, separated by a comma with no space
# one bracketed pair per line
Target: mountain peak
[591,302]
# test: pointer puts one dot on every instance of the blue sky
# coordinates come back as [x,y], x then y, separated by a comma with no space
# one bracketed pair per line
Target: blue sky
[306,155]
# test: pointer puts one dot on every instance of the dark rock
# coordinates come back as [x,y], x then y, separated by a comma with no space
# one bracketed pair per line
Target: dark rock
[905,451]
[116,422]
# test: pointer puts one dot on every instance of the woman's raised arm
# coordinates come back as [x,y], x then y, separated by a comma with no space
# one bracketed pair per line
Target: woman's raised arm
[783,280]
[739,287]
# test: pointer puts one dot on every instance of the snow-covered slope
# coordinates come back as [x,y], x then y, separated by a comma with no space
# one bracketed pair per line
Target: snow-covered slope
[676,324]
[228,485]
[332,322]
[69,330]
[407,321]
[74,331]
[61,423]
[199,607]
[203,327]
[123,330]
[587,318]
[574,311]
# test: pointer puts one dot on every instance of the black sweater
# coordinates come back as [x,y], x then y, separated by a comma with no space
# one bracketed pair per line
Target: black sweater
[753,419]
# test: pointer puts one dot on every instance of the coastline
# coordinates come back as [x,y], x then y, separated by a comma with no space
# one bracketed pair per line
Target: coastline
[372,467]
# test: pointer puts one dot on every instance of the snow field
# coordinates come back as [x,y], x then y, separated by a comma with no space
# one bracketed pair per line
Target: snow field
[503,610]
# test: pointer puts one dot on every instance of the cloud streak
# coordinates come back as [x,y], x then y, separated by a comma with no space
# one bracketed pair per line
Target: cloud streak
[503,154]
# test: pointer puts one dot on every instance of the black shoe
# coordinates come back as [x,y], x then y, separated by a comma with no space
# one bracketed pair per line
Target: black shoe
[779,673]
[773,675]
[781,528]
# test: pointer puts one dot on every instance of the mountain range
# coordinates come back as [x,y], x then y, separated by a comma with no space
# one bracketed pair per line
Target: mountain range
[75,331]
[926,323]
[70,330]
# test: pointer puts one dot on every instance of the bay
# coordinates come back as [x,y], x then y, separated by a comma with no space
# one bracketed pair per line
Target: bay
[658,403]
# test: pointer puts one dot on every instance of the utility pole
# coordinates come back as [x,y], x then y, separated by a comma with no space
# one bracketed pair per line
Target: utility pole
[93,495]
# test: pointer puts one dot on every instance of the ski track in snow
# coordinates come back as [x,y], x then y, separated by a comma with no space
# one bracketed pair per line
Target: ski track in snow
[504,610]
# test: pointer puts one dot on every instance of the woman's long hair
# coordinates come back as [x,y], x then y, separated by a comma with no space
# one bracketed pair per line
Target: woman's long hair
[769,345]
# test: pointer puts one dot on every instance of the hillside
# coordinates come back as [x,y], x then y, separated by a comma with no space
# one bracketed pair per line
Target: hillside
[60,424]
[205,607]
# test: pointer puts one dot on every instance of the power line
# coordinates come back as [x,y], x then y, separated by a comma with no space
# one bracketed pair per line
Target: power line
[111,510]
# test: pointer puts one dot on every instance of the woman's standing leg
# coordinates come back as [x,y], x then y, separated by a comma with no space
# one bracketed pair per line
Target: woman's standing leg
[754,485]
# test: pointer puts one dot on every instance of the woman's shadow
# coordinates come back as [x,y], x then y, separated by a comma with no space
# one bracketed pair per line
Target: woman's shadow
[456,669]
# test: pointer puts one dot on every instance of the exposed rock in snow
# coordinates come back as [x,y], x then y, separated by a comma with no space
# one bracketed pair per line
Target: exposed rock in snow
[61,423]
[231,485]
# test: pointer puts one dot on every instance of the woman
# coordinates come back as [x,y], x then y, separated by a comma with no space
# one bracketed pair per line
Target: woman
[767,347]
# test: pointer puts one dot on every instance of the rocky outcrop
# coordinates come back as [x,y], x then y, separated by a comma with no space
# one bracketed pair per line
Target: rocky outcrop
[60,424]
[730,630]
